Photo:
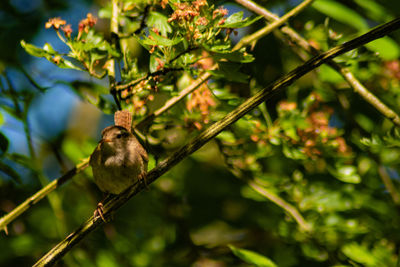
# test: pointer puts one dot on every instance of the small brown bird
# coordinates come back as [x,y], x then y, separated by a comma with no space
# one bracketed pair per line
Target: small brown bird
[118,162]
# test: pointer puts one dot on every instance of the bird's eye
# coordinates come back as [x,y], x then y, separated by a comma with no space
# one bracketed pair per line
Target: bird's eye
[119,136]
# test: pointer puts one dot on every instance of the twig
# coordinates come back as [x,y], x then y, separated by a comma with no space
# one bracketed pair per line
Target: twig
[275,24]
[283,204]
[64,246]
[9,217]
[389,185]
[348,76]
[172,101]
[143,21]
[114,40]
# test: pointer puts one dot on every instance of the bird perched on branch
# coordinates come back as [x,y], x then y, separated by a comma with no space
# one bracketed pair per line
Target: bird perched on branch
[119,160]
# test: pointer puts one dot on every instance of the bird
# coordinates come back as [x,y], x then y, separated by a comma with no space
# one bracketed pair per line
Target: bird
[118,162]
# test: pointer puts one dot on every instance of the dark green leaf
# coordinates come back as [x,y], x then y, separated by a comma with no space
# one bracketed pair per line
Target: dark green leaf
[230,71]
[236,21]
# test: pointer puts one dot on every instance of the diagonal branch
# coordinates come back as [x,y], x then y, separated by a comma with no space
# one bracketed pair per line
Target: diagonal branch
[9,217]
[281,203]
[357,86]
[116,202]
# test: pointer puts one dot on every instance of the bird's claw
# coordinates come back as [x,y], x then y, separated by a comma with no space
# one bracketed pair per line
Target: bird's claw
[99,212]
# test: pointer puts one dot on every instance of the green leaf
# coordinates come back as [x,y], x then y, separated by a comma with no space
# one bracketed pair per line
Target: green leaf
[374,10]
[346,173]
[153,63]
[234,56]
[236,21]
[50,54]
[328,74]
[34,50]
[230,71]
[162,41]
[252,257]
[341,13]
[159,21]
[386,47]
[359,254]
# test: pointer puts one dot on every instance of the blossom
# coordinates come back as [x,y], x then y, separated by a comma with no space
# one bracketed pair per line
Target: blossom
[55,23]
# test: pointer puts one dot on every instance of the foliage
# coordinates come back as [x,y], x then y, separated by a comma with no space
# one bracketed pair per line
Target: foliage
[309,178]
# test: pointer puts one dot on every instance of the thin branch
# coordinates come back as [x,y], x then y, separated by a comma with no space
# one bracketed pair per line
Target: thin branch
[143,20]
[114,40]
[117,201]
[275,24]
[172,101]
[283,204]
[357,86]
[29,202]
[387,181]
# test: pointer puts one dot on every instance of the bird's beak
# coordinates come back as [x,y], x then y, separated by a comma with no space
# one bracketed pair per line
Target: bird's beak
[105,141]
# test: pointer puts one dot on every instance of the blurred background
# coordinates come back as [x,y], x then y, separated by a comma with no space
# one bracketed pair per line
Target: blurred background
[50,120]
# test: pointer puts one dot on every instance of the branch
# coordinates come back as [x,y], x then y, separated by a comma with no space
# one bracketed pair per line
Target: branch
[275,24]
[29,202]
[357,86]
[283,204]
[117,201]
[114,41]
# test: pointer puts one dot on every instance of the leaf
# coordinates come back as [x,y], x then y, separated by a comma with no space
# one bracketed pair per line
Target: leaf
[374,10]
[359,254]
[162,41]
[252,257]
[234,56]
[346,173]
[386,47]
[230,71]
[50,54]
[341,13]
[236,21]
[159,21]
[3,144]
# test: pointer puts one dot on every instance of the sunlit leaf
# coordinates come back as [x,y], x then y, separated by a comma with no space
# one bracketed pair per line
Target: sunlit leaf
[341,13]
[252,257]
[359,254]
[386,48]
[159,21]
[236,21]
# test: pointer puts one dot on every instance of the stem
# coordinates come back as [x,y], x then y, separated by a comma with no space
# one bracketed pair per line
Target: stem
[275,24]
[117,201]
[114,38]
[283,204]
[29,202]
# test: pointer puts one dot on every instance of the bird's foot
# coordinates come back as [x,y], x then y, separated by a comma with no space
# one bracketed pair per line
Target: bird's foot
[99,212]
